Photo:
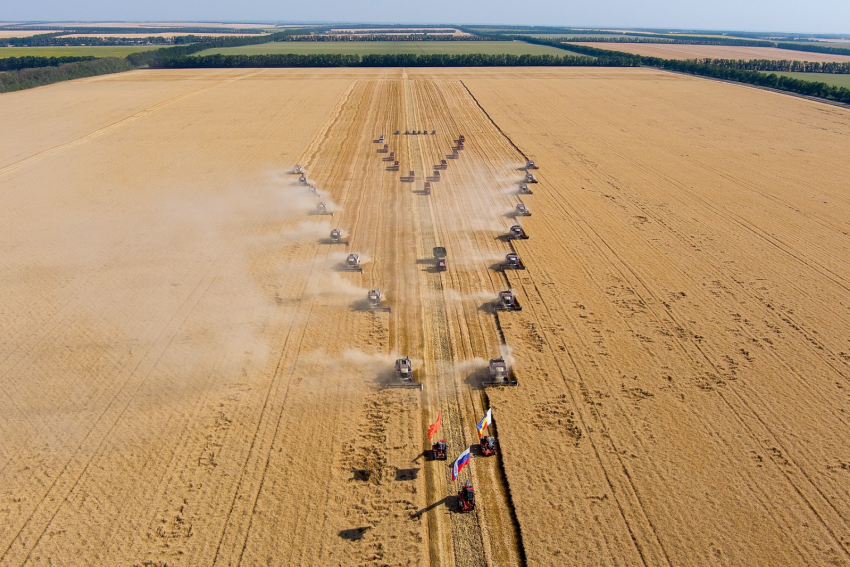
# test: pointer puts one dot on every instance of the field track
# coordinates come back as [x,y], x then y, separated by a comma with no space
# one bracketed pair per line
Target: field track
[188,378]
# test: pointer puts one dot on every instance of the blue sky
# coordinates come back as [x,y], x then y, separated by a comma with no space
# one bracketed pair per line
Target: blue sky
[818,16]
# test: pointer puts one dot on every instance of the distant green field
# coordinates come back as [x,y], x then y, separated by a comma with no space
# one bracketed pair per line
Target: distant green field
[391,47]
[78,51]
[828,78]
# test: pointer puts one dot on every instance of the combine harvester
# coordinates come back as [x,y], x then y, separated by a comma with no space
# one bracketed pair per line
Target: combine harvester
[530,165]
[500,374]
[440,258]
[373,299]
[322,209]
[524,190]
[303,179]
[466,498]
[522,211]
[336,237]
[393,167]
[381,139]
[529,178]
[443,164]
[404,377]
[436,175]
[352,263]
[298,169]
[488,446]
[427,189]
[517,233]
[507,302]
[411,176]
[512,262]
[439,451]
[385,149]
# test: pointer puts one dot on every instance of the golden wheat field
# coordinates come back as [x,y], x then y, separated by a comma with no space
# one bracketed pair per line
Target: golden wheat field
[684,51]
[189,376]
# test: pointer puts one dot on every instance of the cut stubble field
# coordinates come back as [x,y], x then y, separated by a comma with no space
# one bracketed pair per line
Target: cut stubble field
[188,379]
[685,51]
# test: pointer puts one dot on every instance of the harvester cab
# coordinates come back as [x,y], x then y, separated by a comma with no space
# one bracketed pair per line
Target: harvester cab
[386,148]
[303,179]
[500,374]
[529,177]
[394,166]
[411,175]
[381,139]
[392,156]
[524,190]
[466,498]
[404,375]
[374,298]
[436,175]
[427,189]
[444,164]
[488,446]
[352,263]
[461,139]
[407,132]
[517,233]
[507,302]
[433,132]
[297,169]
[522,210]
[455,153]
[439,450]
[530,164]
[512,262]
[396,132]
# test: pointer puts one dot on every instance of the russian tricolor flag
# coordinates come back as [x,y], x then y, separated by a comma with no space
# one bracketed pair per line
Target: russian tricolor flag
[460,463]
[484,423]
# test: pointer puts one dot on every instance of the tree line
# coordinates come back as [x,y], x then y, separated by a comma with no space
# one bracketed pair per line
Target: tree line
[374,60]
[35,77]
[785,65]
[15,63]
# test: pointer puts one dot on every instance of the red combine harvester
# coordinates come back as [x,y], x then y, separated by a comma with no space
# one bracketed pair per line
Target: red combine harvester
[466,498]
[436,175]
[438,450]
[444,164]
[411,176]
[427,189]
[488,446]
[393,167]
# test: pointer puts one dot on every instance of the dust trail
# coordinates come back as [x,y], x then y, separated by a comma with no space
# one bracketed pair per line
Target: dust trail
[452,295]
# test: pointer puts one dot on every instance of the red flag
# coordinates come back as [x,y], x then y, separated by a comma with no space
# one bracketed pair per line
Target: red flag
[435,427]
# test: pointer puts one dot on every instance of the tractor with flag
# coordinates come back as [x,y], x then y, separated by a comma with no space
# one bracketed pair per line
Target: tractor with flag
[487,443]
[438,449]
